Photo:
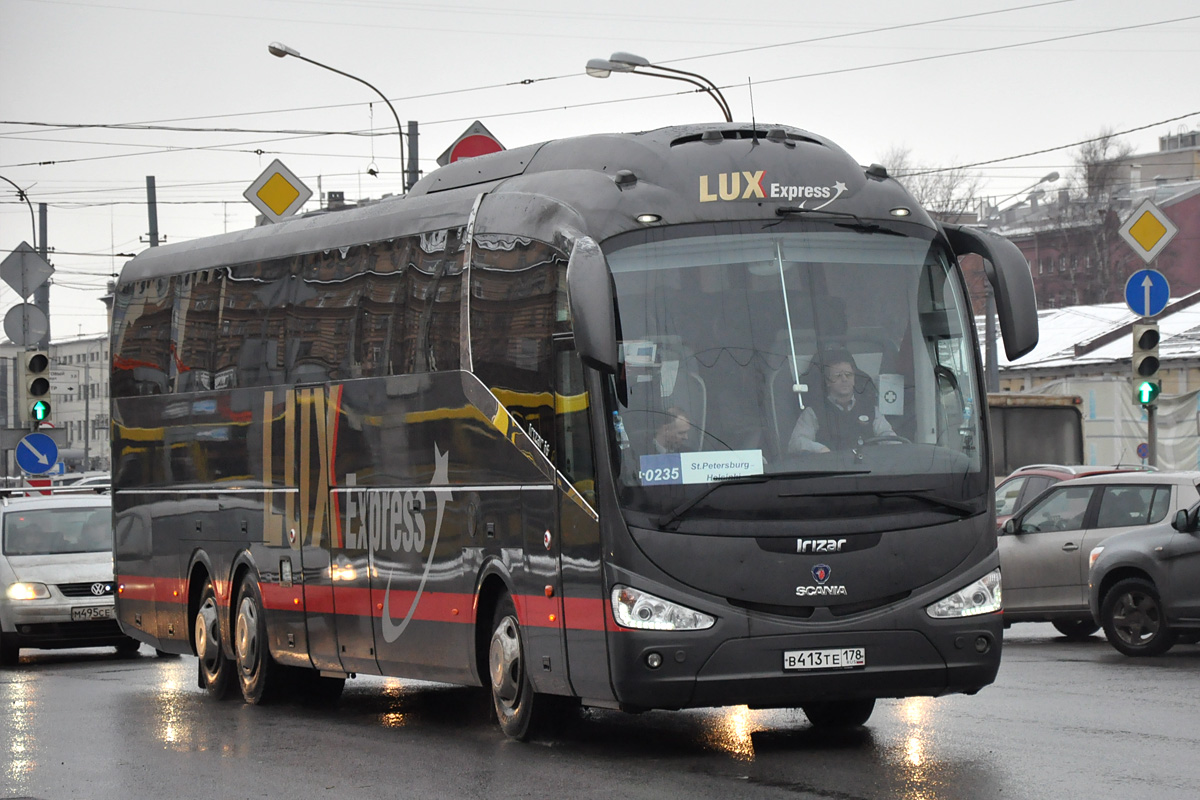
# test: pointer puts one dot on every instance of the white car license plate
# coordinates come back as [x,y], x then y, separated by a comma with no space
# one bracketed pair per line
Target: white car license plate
[87,613]
[844,658]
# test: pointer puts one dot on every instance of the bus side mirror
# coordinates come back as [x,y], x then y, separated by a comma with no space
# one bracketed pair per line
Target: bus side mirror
[1012,283]
[593,310]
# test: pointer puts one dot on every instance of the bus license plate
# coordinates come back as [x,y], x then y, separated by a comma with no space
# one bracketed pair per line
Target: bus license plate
[845,658]
[91,612]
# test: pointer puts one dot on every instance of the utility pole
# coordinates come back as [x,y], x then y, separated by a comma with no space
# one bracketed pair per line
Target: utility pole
[412,174]
[152,208]
[41,295]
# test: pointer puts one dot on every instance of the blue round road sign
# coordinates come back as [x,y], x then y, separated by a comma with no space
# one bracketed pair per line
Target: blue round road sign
[1147,292]
[1143,450]
[37,453]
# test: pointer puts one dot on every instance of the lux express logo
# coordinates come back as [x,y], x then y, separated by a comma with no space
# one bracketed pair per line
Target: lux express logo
[754,186]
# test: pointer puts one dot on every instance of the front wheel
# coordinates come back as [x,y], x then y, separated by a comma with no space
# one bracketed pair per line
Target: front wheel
[10,652]
[1133,619]
[215,670]
[259,675]
[521,712]
[1076,630]
[839,713]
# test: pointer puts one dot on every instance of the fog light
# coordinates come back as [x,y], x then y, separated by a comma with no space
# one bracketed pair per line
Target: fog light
[982,644]
[653,660]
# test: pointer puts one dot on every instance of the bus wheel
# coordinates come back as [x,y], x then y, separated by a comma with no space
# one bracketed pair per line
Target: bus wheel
[216,671]
[512,693]
[260,677]
[839,713]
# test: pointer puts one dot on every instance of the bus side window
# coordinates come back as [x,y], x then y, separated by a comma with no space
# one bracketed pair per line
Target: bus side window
[574,451]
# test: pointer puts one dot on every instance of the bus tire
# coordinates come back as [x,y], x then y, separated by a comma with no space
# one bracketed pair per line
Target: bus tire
[513,698]
[215,670]
[261,678]
[839,713]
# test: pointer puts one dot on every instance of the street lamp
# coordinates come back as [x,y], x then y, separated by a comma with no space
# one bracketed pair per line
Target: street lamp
[279,50]
[1050,177]
[628,62]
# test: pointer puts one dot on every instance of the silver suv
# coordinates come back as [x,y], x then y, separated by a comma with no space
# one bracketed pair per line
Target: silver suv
[1144,586]
[56,575]
[1044,547]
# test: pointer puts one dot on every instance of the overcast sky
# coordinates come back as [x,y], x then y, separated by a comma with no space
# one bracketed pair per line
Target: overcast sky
[956,83]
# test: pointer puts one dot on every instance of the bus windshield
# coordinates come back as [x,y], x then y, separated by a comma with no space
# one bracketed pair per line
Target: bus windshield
[788,352]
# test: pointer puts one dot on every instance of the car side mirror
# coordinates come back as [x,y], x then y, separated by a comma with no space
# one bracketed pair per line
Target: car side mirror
[1010,526]
[1183,521]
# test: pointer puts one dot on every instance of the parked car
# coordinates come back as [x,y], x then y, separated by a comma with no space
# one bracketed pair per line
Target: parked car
[56,574]
[1044,547]
[1026,483]
[1145,585]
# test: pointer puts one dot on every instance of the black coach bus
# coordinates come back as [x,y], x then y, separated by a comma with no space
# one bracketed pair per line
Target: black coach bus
[561,422]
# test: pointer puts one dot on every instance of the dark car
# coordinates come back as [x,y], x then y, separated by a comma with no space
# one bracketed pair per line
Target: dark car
[1044,547]
[1026,483]
[1144,585]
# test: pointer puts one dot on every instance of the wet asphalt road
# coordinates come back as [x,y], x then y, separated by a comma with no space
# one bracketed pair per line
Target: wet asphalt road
[1062,721]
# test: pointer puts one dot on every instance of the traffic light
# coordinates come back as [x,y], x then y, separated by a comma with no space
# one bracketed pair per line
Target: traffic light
[1145,350]
[35,381]
[1146,392]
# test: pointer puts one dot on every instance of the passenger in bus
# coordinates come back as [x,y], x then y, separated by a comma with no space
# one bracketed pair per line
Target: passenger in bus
[673,435]
[846,417]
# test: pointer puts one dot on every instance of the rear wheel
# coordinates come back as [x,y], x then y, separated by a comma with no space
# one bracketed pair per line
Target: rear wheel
[1076,629]
[839,713]
[259,675]
[10,653]
[129,648]
[1133,619]
[215,670]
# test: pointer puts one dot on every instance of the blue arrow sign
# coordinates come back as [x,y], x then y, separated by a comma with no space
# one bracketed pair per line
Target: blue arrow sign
[1147,292]
[37,453]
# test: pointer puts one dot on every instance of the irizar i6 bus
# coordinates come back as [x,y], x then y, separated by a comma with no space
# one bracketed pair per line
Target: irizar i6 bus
[556,423]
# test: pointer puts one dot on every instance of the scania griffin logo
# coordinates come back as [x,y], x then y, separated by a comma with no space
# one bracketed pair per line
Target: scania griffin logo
[820,573]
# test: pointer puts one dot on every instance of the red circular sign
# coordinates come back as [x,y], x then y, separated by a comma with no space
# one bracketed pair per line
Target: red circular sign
[474,145]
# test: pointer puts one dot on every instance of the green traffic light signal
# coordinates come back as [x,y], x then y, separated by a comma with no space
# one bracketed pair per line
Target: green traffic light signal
[1146,392]
[39,411]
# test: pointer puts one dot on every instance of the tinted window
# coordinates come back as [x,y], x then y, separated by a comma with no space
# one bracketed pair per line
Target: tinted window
[1121,506]
[1061,510]
[1035,486]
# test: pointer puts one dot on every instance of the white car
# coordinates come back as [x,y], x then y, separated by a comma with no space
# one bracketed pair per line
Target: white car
[56,575]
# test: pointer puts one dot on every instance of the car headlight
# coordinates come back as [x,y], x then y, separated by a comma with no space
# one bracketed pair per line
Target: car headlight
[634,608]
[981,597]
[1092,556]
[27,591]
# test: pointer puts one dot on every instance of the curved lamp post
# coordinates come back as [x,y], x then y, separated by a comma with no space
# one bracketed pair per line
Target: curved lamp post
[1048,178]
[628,62]
[280,50]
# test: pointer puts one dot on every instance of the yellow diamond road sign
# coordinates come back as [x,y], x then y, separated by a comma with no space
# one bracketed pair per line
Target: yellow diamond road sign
[1148,230]
[277,193]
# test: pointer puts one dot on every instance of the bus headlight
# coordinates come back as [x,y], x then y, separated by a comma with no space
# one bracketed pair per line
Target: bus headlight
[27,591]
[634,608]
[981,597]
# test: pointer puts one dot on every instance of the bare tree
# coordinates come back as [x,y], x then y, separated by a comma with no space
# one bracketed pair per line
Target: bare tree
[1097,167]
[949,194]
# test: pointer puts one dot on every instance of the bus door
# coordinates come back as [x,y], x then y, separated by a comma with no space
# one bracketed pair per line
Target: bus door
[578,539]
[352,614]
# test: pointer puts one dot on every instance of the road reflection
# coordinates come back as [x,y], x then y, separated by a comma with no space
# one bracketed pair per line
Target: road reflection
[20,697]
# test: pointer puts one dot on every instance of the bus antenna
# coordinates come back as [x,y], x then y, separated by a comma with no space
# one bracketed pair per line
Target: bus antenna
[753,122]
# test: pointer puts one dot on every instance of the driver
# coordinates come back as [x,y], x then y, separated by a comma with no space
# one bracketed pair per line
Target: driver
[846,418]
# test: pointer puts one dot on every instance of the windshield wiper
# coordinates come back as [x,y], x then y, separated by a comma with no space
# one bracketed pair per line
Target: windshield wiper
[962,509]
[860,225]
[679,511]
